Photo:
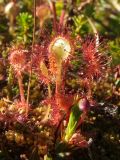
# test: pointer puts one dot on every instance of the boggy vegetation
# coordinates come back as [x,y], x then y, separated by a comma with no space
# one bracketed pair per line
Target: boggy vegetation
[59,81]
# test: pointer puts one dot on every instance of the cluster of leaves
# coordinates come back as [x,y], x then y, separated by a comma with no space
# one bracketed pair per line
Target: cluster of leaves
[25,26]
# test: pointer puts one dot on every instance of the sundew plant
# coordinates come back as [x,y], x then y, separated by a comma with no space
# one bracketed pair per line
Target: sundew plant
[53,69]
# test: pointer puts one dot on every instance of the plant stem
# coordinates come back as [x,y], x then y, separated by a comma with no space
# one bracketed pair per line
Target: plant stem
[62,18]
[54,15]
[21,88]
[49,91]
[58,78]
[33,42]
